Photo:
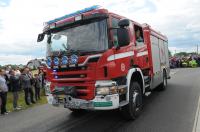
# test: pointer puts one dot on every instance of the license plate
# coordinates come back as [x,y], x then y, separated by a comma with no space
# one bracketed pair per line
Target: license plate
[72,104]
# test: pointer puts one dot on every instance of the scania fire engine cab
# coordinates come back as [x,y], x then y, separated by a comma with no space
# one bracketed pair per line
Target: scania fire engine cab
[98,60]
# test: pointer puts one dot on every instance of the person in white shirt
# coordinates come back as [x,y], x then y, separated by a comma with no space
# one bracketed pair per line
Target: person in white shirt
[17,72]
[3,92]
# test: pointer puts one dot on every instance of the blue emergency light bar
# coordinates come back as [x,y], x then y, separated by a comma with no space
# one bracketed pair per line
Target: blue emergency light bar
[74,13]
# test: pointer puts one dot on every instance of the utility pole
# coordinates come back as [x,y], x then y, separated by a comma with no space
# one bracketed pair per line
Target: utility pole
[197,49]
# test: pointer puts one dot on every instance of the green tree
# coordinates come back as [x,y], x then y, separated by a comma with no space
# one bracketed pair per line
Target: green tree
[181,54]
[169,53]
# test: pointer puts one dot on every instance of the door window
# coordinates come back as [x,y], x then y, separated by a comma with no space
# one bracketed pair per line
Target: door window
[138,35]
[114,32]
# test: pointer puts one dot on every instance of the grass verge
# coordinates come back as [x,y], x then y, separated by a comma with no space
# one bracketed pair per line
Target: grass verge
[21,101]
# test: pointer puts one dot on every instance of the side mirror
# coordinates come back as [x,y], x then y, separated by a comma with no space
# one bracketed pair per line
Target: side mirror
[123,37]
[124,23]
[40,37]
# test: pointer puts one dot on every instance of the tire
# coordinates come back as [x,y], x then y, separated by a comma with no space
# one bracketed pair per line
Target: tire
[133,109]
[77,110]
[163,85]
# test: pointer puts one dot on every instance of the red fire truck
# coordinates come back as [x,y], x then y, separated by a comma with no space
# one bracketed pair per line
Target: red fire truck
[98,60]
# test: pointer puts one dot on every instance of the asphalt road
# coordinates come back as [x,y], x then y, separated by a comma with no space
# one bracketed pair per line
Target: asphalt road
[172,110]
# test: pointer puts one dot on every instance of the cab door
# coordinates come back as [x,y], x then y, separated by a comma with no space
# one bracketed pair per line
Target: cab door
[141,47]
[122,56]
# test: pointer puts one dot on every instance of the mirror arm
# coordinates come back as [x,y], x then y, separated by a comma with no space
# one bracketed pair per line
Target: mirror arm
[117,47]
[49,39]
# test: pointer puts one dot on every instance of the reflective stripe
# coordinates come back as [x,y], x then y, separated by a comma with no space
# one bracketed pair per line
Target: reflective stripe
[120,55]
[142,53]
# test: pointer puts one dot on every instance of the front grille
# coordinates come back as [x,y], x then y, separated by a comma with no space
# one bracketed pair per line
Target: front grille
[94,59]
[81,87]
[71,69]
[79,90]
[73,76]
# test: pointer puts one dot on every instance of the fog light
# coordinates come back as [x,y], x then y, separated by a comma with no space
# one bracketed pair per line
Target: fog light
[108,98]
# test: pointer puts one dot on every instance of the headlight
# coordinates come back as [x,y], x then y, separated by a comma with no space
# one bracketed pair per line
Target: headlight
[64,60]
[73,59]
[102,91]
[113,90]
[106,87]
[49,61]
[106,90]
[56,61]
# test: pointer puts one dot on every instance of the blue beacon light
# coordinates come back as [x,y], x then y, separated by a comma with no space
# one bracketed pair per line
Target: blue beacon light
[74,13]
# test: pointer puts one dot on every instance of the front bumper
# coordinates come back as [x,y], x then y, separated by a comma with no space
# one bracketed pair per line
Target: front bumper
[107,102]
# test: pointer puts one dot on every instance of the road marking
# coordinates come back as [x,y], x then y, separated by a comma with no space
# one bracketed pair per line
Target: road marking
[173,71]
[196,127]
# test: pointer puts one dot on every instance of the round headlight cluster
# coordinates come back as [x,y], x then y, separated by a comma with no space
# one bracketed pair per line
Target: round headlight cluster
[73,59]
[56,61]
[64,60]
[49,61]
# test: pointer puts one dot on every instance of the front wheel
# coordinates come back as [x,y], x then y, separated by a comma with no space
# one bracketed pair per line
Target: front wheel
[77,111]
[132,110]
[163,85]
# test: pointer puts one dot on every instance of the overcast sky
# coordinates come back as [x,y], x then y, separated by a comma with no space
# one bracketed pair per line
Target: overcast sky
[22,20]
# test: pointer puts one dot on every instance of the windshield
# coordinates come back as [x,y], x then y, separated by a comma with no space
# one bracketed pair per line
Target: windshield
[89,37]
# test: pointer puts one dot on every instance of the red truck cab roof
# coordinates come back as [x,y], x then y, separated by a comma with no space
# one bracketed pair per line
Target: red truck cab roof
[72,16]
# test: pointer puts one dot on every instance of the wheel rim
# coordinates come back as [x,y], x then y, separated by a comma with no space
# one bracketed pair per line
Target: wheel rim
[165,81]
[136,100]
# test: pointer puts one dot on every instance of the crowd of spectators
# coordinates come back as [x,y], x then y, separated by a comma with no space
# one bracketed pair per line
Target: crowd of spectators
[185,61]
[15,80]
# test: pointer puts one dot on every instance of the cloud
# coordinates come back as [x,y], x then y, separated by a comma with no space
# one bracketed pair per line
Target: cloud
[2,3]
[22,20]
[183,49]
[0,24]
[16,59]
